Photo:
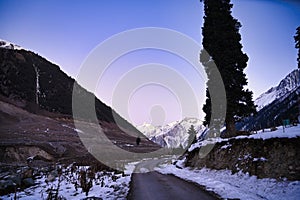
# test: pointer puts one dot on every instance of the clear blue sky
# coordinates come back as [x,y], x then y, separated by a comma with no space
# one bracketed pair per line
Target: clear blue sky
[66,31]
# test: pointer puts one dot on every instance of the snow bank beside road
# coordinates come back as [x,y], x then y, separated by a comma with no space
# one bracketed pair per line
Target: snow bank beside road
[239,185]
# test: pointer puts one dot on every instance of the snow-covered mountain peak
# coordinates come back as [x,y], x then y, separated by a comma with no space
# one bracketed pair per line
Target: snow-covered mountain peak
[191,121]
[9,45]
[286,85]
[174,134]
[291,81]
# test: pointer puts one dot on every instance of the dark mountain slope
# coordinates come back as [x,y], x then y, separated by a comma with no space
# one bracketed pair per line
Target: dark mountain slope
[18,81]
[36,113]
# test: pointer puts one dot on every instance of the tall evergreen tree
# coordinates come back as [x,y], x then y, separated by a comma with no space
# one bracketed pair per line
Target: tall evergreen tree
[221,40]
[192,134]
[297,45]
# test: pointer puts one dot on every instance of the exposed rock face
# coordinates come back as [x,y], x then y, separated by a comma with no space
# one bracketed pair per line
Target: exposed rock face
[272,158]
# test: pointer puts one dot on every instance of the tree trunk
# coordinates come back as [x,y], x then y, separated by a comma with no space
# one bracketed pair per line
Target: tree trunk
[230,128]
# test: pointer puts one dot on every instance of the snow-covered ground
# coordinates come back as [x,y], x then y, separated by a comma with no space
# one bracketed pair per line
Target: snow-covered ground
[108,185]
[281,132]
[105,185]
[239,185]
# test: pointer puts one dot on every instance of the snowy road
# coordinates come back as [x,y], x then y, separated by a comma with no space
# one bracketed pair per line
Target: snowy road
[153,185]
[149,184]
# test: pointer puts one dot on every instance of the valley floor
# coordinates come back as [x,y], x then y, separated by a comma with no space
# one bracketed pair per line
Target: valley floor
[148,183]
[110,185]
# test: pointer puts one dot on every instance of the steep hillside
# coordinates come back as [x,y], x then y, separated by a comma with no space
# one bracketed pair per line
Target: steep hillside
[286,86]
[277,104]
[36,112]
[40,85]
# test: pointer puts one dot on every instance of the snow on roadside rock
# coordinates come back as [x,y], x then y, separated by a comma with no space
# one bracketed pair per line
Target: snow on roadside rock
[239,185]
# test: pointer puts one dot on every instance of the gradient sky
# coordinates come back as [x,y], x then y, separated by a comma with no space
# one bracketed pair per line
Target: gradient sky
[65,32]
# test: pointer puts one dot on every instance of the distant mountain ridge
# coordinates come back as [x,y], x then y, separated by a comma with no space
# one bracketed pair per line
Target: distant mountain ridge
[286,85]
[172,135]
[275,105]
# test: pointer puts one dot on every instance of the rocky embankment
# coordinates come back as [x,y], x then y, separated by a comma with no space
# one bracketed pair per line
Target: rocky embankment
[271,158]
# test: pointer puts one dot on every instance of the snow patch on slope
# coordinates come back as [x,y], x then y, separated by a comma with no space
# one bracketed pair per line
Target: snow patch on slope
[288,84]
[9,45]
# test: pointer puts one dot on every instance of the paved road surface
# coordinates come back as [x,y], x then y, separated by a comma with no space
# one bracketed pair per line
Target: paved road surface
[156,186]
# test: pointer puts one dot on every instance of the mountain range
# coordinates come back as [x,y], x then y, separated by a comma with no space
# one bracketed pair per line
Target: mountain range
[172,135]
[278,103]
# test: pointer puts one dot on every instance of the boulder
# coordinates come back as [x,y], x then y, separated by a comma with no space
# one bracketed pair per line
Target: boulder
[28,182]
